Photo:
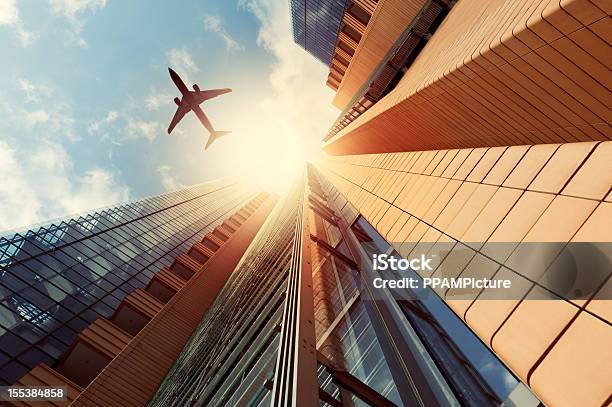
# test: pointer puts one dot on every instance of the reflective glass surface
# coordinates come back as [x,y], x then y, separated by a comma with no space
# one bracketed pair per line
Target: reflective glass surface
[230,358]
[473,373]
[56,280]
[316,24]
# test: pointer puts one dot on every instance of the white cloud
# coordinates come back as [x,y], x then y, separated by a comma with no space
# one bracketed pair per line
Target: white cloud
[26,38]
[215,25]
[9,16]
[35,117]
[156,100]
[141,128]
[297,78]
[19,204]
[168,179]
[51,157]
[110,117]
[73,10]
[94,189]
[182,60]
[39,115]
[56,121]
[38,182]
[119,128]
[33,92]
[8,12]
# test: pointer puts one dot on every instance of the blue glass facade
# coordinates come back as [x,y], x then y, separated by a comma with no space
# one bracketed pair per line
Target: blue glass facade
[56,280]
[316,24]
[233,352]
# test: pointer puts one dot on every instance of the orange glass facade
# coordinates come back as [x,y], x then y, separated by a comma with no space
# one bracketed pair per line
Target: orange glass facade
[475,197]
[497,73]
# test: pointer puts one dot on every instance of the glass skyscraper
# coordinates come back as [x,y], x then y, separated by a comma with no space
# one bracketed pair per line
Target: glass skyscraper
[56,280]
[231,357]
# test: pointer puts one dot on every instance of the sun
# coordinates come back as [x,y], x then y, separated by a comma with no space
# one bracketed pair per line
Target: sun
[266,156]
[272,161]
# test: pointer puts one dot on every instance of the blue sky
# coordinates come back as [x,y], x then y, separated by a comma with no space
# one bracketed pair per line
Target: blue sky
[85,100]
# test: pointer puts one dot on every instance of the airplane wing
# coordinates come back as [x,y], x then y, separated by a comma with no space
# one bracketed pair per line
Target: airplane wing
[181,111]
[205,122]
[203,95]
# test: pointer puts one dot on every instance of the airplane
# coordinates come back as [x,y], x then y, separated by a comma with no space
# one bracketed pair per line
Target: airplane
[191,101]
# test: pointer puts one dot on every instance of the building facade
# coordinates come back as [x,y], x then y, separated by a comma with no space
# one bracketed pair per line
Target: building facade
[74,294]
[493,137]
[494,73]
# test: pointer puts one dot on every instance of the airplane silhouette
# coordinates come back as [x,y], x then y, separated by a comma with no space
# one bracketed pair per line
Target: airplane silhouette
[191,100]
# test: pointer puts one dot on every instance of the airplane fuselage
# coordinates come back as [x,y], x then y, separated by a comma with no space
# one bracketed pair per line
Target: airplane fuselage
[190,101]
[186,100]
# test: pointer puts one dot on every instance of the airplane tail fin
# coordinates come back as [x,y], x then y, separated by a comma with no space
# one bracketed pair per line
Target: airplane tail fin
[214,136]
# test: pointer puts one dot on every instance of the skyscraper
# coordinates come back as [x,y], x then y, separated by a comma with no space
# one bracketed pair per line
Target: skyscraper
[484,128]
[74,294]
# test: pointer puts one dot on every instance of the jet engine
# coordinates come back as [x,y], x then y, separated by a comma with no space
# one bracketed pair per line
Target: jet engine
[177,101]
[196,88]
